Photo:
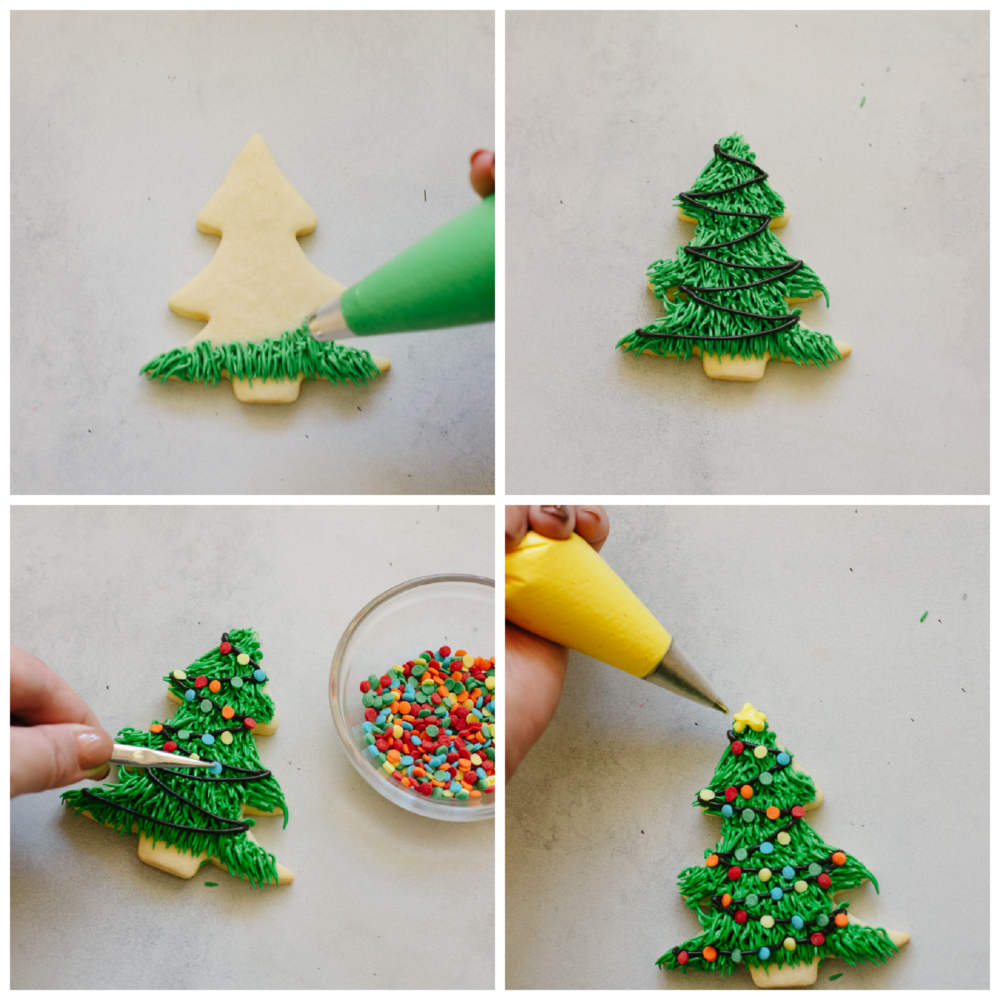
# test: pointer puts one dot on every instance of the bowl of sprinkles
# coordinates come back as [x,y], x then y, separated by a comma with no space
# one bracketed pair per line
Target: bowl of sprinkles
[413,690]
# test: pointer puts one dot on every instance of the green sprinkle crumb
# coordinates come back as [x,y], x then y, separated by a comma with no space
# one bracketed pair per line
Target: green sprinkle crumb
[860,105]
[837,976]
[923,616]
[211,883]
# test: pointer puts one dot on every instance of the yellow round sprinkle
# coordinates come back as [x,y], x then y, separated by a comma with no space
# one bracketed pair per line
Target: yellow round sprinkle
[765,874]
[195,756]
[243,659]
[493,730]
[476,760]
[706,795]
[767,920]
[760,752]
[180,675]
[790,944]
[449,795]
[801,886]
[420,659]
[784,838]
[387,767]
[491,683]
[397,732]
[226,738]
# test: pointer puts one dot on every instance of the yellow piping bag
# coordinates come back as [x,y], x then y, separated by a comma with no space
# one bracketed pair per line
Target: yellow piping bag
[564,591]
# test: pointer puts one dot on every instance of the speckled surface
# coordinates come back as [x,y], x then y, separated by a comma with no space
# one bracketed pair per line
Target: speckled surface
[115,598]
[610,115]
[123,126]
[813,615]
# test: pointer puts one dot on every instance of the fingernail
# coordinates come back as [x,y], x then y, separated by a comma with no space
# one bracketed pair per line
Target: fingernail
[472,159]
[90,747]
[556,511]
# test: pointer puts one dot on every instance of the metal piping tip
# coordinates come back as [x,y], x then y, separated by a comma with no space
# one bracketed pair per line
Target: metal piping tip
[328,322]
[676,674]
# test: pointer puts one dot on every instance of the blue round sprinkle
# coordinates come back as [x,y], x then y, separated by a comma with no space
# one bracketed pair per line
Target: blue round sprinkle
[798,923]
[417,741]
[406,761]
[208,739]
[777,893]
[784,759]
[259,675]
[216,768]
[764,953]
[727,811]
[788,871]
[189,694]
[766,848]
[373,750]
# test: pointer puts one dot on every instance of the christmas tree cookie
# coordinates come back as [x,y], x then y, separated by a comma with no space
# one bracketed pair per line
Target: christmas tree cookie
[727,294]
[258,284]
[764,896]
[187,817]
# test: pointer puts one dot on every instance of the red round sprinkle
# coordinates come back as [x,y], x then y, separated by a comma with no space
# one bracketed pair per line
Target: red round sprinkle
[741,917]
[382,746]
[225,648]
[249,723]
[170,746]
[370,715]
[734,873]
[426,788]
[682,958]
[824,880]
[816,939]
[435,699]
[200,682]
[444,651]
[737,747]
[397,775]
[731,793]
[434,665]
[385,680]
[365,687]
[798,812]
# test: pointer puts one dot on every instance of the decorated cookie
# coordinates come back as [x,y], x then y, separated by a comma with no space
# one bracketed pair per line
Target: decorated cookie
[256,292]
[727,294]
[764,895]
[187,817]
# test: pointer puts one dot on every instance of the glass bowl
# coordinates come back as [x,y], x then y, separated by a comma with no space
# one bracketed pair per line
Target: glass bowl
[449,609]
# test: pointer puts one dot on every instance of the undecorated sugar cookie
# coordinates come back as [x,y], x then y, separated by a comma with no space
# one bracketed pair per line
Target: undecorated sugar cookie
[727,293]
[764,895]
[188,817]
[256,292]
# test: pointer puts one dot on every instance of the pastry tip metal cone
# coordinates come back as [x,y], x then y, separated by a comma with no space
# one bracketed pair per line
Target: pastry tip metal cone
[675,673]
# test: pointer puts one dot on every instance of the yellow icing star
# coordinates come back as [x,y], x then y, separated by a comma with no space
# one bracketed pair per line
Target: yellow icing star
[749,717]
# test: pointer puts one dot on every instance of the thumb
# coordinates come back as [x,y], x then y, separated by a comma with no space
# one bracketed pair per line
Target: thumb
[44,757]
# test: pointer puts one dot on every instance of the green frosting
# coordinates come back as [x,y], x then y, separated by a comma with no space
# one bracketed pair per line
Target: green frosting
[689,318]
[293,352]
[205,801]
[703,886]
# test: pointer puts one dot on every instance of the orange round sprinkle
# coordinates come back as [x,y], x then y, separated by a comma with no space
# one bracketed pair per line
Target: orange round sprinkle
[840,919]
[227,712]
[746,791]
[460,652]
[464,765]
[712,860]
[156,727]
[214,686]
[773,812]
[475,793]
[726,899]
[839,858]
[710,953]
[403,707]
[393,755]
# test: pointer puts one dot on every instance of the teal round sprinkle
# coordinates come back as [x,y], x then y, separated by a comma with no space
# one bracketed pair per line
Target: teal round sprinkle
[737,955]
[815,869]
[184,734]
[749,815]
[752,900]
[765,778]
[206,705]
[740,854]
[822,920]
[237,682]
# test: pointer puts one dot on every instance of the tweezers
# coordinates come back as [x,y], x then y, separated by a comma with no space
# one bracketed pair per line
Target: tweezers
[147,757]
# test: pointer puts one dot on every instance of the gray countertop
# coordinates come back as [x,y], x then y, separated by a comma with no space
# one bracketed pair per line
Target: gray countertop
[123,125]
[610,115]
[813,615]
[113,598]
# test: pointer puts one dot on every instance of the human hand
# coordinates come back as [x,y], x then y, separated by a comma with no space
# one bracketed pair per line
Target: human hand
[55,739]
[482,176]
[535,668]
